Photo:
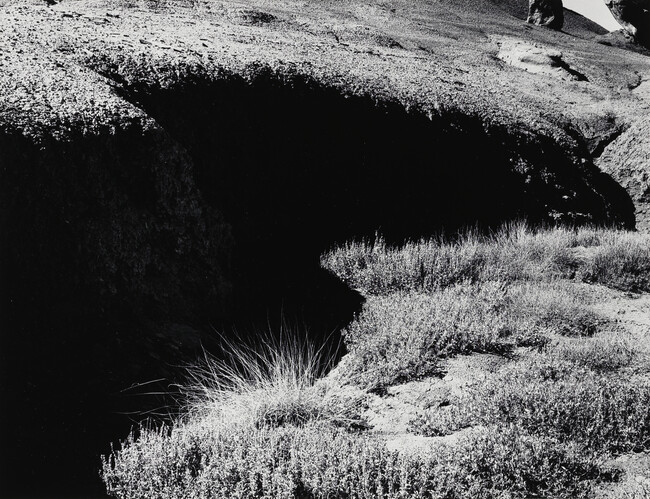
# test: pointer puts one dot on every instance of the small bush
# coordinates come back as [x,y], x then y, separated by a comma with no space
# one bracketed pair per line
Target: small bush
[556,399]
[555,307]
[321,462]
[604,353]
[401,336]
[622,261]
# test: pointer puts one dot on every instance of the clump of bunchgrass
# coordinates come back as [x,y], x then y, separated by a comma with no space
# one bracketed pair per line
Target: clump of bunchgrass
[259,423]
[268,383]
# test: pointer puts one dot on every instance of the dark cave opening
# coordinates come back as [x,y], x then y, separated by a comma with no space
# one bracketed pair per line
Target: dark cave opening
[93,296]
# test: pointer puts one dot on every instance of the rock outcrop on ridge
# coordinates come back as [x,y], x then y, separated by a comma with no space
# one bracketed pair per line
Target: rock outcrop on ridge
[548,13]
[634,16]
[167,167]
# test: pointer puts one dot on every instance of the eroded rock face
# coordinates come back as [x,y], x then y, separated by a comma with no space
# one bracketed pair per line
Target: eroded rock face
[627,160]
[548,13]
[634,17]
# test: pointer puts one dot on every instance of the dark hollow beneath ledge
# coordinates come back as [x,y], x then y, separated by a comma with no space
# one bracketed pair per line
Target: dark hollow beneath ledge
[121,255]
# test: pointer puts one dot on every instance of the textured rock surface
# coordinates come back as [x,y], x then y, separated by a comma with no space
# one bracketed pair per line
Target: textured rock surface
[164,163]
[546,13]
[634,16]
[627,160]
[536,59]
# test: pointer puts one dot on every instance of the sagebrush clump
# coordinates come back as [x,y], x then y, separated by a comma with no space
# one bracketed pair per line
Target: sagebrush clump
[323,462]
[402,335]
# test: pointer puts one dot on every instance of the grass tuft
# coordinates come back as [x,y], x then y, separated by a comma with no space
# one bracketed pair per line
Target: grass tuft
[269,383]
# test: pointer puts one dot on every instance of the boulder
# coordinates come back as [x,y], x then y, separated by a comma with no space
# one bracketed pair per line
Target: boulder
[548,13]
[634,17]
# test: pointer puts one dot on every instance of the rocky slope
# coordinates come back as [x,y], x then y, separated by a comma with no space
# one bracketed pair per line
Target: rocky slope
[167,166]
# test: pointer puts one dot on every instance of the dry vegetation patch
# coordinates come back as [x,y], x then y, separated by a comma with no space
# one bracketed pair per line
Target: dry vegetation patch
[617,259]
[568,399]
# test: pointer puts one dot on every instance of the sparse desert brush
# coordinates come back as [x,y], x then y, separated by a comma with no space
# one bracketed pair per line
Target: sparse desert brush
[504,461]
[257,426]
[516,252]
[556,306]
[621,261]
[321,461]
[606,352]
[550,397]
[374,268]
[402,336]
[260,423]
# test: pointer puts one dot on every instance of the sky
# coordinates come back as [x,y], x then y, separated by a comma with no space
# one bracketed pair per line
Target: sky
[596,10]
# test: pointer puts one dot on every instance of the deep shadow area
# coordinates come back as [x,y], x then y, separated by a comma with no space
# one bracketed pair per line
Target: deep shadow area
[121,254]
[297,168]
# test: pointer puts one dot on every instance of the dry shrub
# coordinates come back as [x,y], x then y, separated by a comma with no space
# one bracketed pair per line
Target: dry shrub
[516,252]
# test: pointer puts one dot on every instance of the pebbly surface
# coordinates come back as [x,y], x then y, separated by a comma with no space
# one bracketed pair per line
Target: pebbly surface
[65,67]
